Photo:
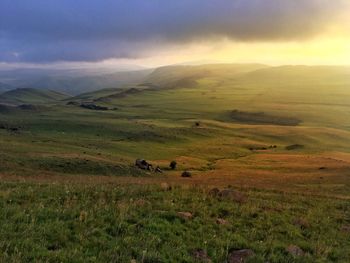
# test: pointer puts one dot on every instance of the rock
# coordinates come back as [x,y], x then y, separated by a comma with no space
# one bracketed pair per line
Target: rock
[221,221]
[185,215]
[295,251]
[83,216]
[201,256]
[186,174]
[240,256]
[214,192]
[165,186]
[143,164]
[232,195]
[303,223]
[226,193]
[158,170]
[141,202]
[345,229]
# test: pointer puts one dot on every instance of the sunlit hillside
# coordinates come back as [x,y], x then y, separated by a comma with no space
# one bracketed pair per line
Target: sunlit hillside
[191,131]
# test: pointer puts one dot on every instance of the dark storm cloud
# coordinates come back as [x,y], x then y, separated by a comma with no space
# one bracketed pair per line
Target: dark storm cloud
[92,30]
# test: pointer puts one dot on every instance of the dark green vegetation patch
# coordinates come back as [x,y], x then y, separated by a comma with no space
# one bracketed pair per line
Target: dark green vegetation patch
[84,166]
[33,96]
[294,147]
[263,118]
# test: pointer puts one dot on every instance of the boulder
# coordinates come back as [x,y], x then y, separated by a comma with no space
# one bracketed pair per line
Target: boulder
[232,195]
[201,255]
[345,229]
[165,186]
[214,192]
[158,170]
[143,164]
[185,215]
[141,202]
[295,251]
[83,216]
[221,221]
[301,222]
[240,256]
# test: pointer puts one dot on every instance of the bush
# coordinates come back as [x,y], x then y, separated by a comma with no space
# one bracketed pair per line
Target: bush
[173,165]
[186,174]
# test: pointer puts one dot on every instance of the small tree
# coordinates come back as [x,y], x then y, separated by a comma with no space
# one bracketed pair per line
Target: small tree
[173,165]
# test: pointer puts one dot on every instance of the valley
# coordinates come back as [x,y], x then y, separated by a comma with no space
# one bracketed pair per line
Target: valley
[278,136]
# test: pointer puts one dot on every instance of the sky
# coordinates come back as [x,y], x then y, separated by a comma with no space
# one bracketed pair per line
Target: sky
[158,32]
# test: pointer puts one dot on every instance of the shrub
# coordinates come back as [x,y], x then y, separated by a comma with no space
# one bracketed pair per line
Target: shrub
[173,165]
[186,174]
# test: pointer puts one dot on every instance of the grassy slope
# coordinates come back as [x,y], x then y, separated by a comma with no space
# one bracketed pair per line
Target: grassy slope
[168,74]
[77,85]
[70,143]
[159,124]
[61,223]
[31,96]
[70,81]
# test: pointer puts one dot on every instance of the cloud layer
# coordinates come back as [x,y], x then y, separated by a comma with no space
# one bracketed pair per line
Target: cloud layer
[80,30]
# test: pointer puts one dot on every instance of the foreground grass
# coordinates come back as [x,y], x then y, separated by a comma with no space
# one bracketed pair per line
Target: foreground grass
[109,223]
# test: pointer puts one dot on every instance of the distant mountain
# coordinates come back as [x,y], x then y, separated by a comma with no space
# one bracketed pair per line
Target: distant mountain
[5,87]
[72,82]
[170,75]
[64,71]
[31,96]
[91,96]
[78,85]
[296,74]
[185,76]
[97,84]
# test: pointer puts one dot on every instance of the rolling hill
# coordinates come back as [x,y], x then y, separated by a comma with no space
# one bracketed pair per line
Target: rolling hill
[168,75]
[5,87]
[31,96]
[77,85]
[299,74]
[271,79]
[173,76]
[71,82]
[267,148]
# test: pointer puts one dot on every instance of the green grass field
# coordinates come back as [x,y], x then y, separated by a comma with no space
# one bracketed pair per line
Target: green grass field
[109,223]
[69,190]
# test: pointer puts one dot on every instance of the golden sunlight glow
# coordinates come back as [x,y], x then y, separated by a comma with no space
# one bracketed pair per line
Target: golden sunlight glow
[331,48]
